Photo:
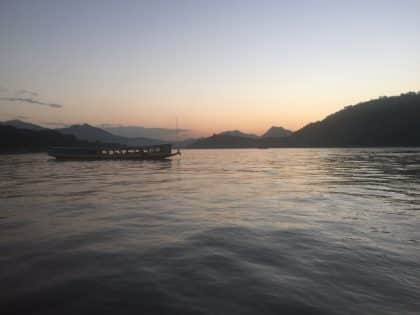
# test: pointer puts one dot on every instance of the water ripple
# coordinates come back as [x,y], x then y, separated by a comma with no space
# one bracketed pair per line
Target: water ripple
[287,231]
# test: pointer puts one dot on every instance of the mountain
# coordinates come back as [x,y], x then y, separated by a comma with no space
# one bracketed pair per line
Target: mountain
[90,133]
[185,143]
[238,139]
[21,124]
[237,133]
[224,141]
[164,134]
[14,140]
[277,132]
[386,121]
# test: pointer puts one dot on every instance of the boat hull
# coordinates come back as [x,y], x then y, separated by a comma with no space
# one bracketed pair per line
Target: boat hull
[98,157]
[141,153]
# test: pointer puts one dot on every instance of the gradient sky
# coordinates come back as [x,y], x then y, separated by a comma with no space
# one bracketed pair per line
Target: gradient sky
[216,65]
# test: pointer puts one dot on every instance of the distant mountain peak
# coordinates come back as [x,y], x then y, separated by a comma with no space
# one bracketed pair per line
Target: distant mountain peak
[88,132]
[84,125]
[277,132]
[92,133]
[164,134]
[238,133]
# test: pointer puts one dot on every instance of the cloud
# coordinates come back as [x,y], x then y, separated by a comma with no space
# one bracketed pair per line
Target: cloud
[26,93]
[30,100]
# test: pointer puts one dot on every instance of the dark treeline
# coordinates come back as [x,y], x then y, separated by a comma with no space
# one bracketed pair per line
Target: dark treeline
[386,121]
[24,140]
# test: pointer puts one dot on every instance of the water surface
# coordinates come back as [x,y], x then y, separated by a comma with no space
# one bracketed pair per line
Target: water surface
[278,231]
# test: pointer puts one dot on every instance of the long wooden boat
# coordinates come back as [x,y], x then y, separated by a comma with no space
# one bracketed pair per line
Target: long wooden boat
[154,152]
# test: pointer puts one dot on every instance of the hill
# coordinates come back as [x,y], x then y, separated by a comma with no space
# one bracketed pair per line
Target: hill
[386,121]
[25,140]
[164,134]
[219,141]
[237,133]
[185,143]
[90,133]
[239,139]
[277,132]
[21,124]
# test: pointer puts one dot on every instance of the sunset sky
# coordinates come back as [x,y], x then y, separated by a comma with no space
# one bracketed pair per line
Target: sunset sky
[216,65]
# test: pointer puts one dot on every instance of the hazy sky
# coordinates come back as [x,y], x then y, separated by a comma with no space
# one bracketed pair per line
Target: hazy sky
[215,65]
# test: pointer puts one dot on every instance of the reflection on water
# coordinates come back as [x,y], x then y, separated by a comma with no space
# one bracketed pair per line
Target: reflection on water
[287,231]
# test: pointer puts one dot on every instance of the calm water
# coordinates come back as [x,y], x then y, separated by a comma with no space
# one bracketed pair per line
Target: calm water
[286,231]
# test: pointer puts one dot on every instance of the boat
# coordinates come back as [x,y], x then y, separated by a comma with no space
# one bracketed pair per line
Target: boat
[153,152]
